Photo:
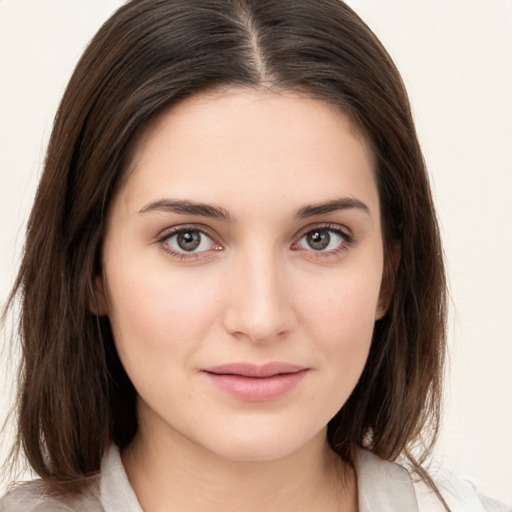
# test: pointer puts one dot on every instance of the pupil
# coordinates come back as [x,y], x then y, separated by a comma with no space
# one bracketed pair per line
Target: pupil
[318,240]
[189,241]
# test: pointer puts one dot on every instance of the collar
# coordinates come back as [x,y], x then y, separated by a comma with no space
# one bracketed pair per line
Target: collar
[382,486]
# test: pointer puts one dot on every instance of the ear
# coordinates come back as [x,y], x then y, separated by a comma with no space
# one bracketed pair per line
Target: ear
[392,260]
[98,304]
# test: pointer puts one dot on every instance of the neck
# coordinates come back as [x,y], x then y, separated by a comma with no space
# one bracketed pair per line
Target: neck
[172,473]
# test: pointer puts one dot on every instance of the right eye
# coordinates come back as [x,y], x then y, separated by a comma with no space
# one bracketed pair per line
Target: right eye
[187,241]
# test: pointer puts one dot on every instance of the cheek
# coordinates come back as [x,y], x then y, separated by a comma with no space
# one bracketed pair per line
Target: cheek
[156,313]
[343,302]
[340,317]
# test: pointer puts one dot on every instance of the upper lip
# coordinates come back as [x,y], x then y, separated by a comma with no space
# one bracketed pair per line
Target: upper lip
[254,370]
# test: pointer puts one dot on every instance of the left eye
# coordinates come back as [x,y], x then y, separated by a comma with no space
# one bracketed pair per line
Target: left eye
[322,239]
[189,241]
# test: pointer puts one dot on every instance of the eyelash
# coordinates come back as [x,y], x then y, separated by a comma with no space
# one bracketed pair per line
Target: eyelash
[185,229]
[347,241]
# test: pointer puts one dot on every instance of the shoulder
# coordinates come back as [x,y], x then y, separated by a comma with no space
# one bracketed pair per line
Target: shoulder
[460,494]
[110,490]
[492,505]
[381,481]
[35,496]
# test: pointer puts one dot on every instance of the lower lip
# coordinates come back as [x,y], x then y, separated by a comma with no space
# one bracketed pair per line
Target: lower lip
[257,389]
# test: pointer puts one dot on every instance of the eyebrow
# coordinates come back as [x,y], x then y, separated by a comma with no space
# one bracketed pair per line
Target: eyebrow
[188,208]
[343,203]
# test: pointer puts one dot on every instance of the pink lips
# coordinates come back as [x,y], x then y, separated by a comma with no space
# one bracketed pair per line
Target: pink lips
[256,383]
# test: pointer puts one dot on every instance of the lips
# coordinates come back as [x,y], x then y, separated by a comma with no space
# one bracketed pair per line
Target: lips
[256,383]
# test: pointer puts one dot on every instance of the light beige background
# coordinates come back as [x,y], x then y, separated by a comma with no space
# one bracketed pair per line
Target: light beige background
[455,57]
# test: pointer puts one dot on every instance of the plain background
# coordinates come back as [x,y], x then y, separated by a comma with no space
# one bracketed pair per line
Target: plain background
[455,57]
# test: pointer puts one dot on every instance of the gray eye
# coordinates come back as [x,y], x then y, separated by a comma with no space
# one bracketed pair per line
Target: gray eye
[189,241]
[318,240]
[322,240]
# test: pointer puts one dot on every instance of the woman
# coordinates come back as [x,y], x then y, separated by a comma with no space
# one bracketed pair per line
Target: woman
[242,305]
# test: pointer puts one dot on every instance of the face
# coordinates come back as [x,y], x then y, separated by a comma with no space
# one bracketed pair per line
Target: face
[242,269]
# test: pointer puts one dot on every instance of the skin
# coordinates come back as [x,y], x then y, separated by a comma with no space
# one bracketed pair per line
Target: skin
[254,290]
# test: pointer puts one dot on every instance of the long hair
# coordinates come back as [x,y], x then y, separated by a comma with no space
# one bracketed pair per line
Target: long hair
[74,396]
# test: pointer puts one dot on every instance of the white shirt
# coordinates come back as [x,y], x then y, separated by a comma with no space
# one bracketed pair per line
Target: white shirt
[383,486]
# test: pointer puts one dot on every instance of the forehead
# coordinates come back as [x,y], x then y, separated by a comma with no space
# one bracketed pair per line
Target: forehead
[235,144]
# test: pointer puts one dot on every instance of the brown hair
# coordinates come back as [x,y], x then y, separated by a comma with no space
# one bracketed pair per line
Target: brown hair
[74,396]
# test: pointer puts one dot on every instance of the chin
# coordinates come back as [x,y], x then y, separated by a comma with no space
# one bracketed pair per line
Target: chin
[259,445]
[257,452]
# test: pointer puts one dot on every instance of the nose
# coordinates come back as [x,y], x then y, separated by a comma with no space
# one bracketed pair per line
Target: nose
[258,303]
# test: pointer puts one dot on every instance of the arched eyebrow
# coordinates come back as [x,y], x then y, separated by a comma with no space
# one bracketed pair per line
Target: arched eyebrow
[183,206]
[343,203]
[186,207]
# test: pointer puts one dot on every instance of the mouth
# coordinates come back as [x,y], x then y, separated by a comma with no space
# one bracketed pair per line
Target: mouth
[256,383]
